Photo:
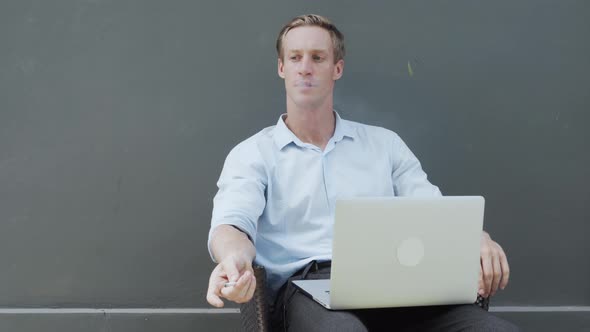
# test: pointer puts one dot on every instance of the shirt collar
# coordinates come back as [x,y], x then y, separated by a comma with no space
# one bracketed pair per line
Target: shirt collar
[283,136]
[343,129]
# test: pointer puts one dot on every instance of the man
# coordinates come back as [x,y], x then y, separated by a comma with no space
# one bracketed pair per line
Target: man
[278,188]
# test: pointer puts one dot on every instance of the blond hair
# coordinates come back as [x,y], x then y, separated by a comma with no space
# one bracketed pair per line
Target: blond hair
[318,21]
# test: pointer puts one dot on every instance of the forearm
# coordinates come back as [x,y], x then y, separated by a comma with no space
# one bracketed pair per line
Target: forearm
[229,241]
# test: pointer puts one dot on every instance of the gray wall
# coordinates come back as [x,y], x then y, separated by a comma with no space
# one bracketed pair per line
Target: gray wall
[116,117]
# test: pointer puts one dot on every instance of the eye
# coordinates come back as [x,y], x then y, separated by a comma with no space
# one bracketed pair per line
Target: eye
[294,57]
[317,58]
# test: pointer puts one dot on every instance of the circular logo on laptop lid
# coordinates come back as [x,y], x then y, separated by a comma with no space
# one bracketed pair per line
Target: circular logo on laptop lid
[410,251]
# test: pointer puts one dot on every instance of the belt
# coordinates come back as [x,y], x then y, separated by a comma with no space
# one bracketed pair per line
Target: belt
[321,265]
[313,266]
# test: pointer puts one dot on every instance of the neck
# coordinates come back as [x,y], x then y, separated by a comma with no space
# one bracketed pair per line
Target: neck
[314,126]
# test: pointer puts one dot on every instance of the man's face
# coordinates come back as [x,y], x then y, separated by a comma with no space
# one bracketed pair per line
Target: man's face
[308,67]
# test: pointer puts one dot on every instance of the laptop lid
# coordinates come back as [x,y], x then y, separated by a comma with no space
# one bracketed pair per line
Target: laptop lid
[406,251]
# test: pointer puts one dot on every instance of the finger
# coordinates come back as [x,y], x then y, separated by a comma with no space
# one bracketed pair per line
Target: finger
[232,271]
[480,282]
[505,270]
[251,290]
[245,280]
[216,281]
[214,300]
[234,292]
[240,288]
[244,294]
[247,276]
[497,274]
[486,264]
[213,293]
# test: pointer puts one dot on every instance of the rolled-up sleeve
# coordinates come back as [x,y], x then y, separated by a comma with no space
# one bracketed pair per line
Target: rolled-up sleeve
[240,199]
[407,175]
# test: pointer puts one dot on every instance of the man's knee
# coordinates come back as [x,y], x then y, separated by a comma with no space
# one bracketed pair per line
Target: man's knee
[304,314]
[470,318]
[495,324]
[332,321]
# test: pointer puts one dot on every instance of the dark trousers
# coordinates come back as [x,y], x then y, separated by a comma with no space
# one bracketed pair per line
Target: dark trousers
[294,311]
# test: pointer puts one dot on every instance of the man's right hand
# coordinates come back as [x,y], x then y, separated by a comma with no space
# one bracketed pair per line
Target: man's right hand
[231,269]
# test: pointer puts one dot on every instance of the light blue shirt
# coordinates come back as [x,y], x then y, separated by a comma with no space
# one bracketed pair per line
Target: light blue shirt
[281,191]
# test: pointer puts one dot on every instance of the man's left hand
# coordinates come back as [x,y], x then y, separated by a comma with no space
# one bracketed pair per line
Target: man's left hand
[494,270]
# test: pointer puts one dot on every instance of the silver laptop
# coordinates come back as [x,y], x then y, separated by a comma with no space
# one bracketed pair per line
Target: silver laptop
[401,252]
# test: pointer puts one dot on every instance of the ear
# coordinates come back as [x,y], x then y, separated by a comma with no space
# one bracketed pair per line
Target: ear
[338,69]
[280,68]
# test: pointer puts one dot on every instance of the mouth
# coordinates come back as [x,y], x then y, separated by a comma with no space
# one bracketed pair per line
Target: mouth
[305,84]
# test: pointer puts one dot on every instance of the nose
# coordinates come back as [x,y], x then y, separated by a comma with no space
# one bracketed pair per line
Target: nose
[305,66]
